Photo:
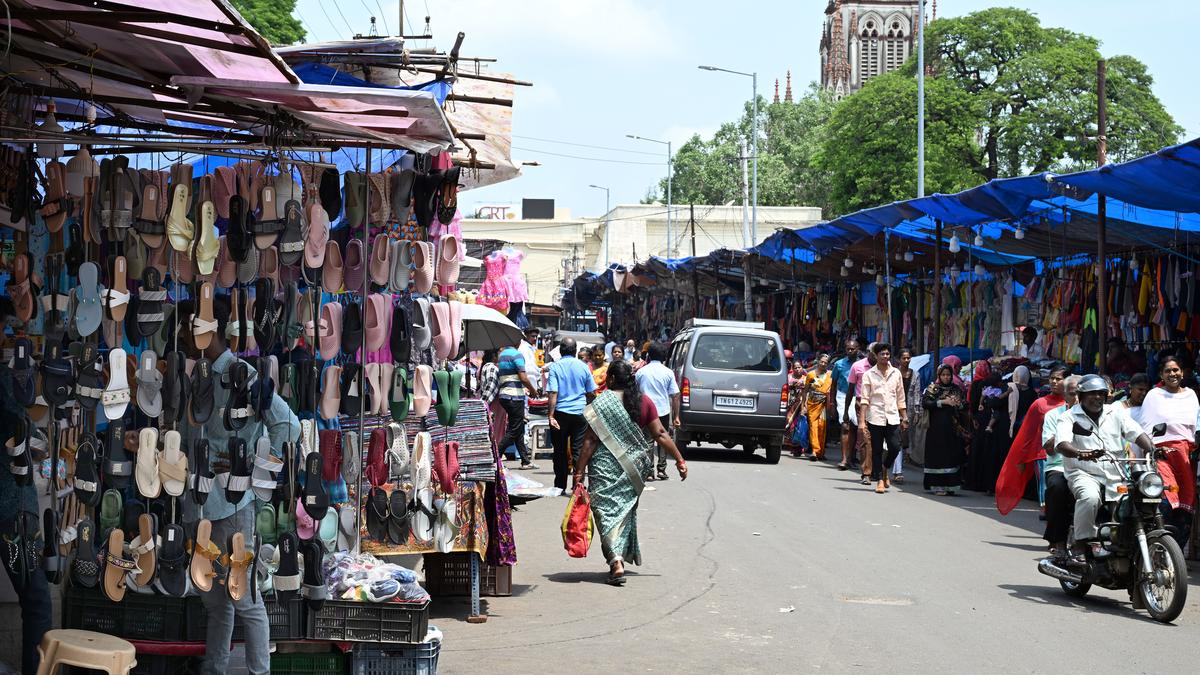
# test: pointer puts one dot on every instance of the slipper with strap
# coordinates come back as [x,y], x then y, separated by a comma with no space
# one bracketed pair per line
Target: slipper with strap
[24,386]
[306,527]
[142,548]
[172,562]
[207,245]
[146,472]
[448,194]
[237,481]
[266,314]
[313,590]
[149,384]
[316,237]
[398,517]
[173,465]
[291,241]
[116,566]
[237,411]
[175,388]
[377,514]
[20,287]
[266,467]
[115,397]
[151,297]
[424,517]
[205,554]
[201,402]
[116,298]
[316,499]
[227,268]
[118,467]
[237,235]
[446,529]
[87,474]
[240,561]
[180,230]
[287,577]
[202,479]
[149,221]
[267,227]
[85,569]
[204,325]
[56,207]
[111,509]
[268,265]
[88,310]
[327,531]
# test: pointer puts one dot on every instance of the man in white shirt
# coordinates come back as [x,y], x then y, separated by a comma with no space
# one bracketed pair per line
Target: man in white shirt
[658,384]
[1092,478]
[882,412]
[1030,348]
[1060,503]
[532,369]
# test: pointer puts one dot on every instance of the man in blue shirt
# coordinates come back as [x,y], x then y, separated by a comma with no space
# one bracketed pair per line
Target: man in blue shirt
[280,425]
[514,383]
[571,387]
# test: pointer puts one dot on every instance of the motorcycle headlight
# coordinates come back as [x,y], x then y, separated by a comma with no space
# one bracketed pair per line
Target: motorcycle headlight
[1151,486]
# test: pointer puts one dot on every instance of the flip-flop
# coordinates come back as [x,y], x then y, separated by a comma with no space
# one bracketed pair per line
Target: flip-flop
[175,388]
[316,236]
[266,314]
[116,566]
[347,536]
[142,548]
[287,577]
[377,514]
[237,482]
[87,474]
[116,297]
[202,479]
[327,530]
[398,516]
[316,499]
[115,398]
[424,517]
[422,331]
[24,385]
[146,470]
[313,590]
[88,310]
[173,465]
[201,403]
[266,467]
[380,266]
[237,411]
[448,253]
[172,562]
[237,234]
[205,554]
[149,384]
[331,393]
[332,271]
[291,241]
[422,274]
[422,392]
[401,265]
[354,266]
[85,569]
[240,561]
[446,528]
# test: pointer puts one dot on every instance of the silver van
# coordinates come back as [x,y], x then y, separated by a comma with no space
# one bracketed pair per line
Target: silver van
[733,385]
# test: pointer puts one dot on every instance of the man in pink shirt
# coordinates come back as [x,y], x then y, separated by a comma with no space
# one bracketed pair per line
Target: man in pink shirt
[863,441]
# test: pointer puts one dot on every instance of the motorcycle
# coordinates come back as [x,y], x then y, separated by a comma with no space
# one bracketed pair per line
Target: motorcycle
[1137,553]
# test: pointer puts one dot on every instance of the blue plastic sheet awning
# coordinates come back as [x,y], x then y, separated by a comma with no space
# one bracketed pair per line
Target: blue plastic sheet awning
[1168,180]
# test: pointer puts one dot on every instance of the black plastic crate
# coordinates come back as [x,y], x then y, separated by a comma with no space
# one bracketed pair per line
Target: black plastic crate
[416,659]
[285,617]
[448,574]
[384,622]
[325,663]
[136,617]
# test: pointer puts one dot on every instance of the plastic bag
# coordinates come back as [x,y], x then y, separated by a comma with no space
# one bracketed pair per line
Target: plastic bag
[800,432]
[577,523]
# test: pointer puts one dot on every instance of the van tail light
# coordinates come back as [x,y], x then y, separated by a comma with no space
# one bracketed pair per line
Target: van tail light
[685,392]
[783,400]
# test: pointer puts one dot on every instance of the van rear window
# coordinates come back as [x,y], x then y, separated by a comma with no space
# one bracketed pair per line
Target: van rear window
[750,353]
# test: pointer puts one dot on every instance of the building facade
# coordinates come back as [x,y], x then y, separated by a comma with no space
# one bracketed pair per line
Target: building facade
[861,40]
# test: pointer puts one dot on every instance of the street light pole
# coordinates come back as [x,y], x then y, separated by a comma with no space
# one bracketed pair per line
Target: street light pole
[921,98]
[753,142]
[607,210]
[670,171]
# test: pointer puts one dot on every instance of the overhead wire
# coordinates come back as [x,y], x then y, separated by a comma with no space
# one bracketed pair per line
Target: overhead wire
[586,159]
[585,145]
[337,6]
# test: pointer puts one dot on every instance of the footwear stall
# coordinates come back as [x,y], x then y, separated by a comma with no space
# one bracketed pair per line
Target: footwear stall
[148,189]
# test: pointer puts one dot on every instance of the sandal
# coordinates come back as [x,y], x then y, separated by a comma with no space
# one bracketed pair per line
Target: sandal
[287,577]
[172,563]
[85,570]
[377,514]
[87,475]
[267,227]
[118,468]
[266,314]
[316,237]
[237,234]
[313,590]
[116,298]
[240,560]
[201,405]
[265,524]
[24,385]
[398,516]
[205,554]
[116,566]
[266,466]
[115,397]
[291,241]
[149,385]
[52,561]
[142,550]
[238,410]
[202,479]
[173,465]
[316,499]
[149,483]
[149,221]
[448,195]
[175,388]
[237,481]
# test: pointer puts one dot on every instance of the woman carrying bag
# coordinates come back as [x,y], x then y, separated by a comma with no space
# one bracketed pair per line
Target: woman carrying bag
[622,423]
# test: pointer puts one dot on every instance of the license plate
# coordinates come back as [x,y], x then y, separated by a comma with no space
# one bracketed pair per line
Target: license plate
[736,402]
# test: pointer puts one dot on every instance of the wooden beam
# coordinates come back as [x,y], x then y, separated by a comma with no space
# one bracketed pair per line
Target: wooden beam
[506,102]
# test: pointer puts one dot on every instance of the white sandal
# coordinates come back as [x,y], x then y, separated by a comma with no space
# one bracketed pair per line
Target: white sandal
[115,397]
[146,470]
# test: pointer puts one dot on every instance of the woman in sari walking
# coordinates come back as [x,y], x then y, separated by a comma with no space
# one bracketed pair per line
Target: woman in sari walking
[622,423]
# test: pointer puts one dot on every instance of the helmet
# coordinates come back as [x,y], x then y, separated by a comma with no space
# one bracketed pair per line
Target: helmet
[1091,383]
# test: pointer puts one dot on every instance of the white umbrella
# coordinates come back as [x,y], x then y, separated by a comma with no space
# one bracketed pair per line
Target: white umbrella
[484,328]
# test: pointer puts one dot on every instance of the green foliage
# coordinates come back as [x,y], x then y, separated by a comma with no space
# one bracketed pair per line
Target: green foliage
[869,152]
[273,19]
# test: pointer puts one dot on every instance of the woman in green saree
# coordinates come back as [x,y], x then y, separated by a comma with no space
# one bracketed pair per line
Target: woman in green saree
[622,423]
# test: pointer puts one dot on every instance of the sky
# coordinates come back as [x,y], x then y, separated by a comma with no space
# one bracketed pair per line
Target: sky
[603,69]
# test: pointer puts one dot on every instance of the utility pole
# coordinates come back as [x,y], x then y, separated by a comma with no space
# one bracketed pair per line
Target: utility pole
[749,310]
[937,294]
[695,275]
[921,98]
[1101,212]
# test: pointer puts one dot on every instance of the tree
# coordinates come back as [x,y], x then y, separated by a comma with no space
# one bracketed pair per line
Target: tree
[709,171]
[869,151]
[1035,90]
[273,19]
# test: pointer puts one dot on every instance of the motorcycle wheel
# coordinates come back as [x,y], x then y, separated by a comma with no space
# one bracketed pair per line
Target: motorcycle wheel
[1075,590]
[1166,594]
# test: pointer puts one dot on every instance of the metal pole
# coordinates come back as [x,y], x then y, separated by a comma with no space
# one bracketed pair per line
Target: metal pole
[937,294]
[670,215]
[695,274]
[921,98]
[607,211]
[754,149]
[746,299]
[1101,212]
[362,399]
[887,279]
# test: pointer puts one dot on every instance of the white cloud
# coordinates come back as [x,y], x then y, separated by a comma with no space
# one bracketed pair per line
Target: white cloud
[618,29]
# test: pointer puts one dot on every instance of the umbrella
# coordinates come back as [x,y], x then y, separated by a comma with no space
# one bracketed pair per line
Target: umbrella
[484,328]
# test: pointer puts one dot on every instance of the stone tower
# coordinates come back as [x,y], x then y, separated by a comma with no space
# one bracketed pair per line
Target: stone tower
[861,40]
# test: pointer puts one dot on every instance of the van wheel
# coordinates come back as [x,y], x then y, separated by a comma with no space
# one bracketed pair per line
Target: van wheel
[774,451]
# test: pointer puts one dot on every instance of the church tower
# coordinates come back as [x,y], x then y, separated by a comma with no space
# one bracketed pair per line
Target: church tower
[863,39]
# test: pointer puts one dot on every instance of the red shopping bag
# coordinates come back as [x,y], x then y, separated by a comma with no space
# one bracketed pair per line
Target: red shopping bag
[577,523]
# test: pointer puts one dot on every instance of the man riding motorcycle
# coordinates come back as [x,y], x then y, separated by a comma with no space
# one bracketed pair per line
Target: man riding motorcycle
[1092,481]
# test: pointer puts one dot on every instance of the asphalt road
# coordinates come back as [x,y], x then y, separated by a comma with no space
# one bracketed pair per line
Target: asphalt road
[798,568]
